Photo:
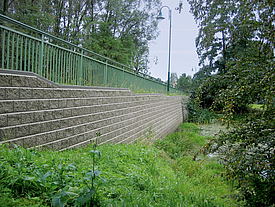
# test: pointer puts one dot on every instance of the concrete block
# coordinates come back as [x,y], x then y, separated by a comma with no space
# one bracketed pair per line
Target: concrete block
[3,120]
[14,119]
[75,111]
[79,129]
[81,138]
[41,84]
[53,103]
[58,113]
[6,106]
[18,142]
[62,103]
[38,116]
[73,93]
[19,105]
[7,133]
[34,105]
[60,134]
[64,123]
[70,103]
[56,145]
[26,93]
[46,147]
[89,126]
[67,113]
[44,104]
[41,139]
[65,93]
[5,80]
[77,102]
[12,93]
[50,136]
[35,128]
[48,115]
[22,81]
[68,132]
[48,93]
[38,93]
[46,126]
[64,143]
[57,93]
[55,125]
[2,93]
[26,117]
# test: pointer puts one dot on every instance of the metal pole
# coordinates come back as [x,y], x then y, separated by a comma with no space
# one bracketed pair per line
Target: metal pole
[169,55]
[169,44]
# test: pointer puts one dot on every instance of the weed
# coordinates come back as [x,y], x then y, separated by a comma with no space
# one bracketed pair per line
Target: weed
[136,175]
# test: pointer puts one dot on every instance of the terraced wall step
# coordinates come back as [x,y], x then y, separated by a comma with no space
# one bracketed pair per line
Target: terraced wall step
[35,112]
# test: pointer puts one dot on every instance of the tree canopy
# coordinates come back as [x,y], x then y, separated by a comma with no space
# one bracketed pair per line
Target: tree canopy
[236,45]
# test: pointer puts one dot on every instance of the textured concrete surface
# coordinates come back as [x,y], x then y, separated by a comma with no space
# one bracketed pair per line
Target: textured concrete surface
[37,113]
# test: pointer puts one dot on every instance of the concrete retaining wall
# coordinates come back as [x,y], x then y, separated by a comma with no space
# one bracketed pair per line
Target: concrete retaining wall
[37,112]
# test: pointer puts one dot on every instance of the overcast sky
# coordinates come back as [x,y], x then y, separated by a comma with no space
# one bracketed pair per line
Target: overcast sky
[183,49]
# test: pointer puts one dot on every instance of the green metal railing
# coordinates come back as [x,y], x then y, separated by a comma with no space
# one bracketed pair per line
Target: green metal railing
[25,48]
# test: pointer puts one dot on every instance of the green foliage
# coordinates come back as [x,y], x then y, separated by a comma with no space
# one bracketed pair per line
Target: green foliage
[181,143]
[200,77]
[197,114]
[248,156]
[236,39]
[174,79]
[136,175]
[32,174]
[118,29]
[185,82]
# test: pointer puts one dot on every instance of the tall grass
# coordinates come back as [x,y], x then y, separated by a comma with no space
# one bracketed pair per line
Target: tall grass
[162,174]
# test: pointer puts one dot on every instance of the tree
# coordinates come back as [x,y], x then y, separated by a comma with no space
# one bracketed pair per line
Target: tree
[174,79]
[118,29]
[185,82]
[238,43]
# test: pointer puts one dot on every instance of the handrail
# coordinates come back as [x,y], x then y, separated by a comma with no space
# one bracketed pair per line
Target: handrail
[48,60]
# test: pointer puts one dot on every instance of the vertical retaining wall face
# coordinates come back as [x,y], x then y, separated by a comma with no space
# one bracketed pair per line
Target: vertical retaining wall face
[34,112]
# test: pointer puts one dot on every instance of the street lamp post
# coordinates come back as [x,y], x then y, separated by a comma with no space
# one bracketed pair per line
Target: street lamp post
[160,17]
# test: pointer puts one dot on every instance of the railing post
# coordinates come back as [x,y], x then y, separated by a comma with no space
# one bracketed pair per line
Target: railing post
[105,74]
[79,74]
[3,48]
[123,78]
[41,56]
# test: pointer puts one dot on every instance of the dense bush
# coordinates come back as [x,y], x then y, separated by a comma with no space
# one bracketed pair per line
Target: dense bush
[248,154]
[197,114]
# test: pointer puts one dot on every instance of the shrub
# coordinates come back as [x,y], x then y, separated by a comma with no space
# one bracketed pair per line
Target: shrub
[248,156]
[196,114]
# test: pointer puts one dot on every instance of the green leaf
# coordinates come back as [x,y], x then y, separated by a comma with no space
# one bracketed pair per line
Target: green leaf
[70,166]
[96,152]
[28,178]
[57,202]
[46,175]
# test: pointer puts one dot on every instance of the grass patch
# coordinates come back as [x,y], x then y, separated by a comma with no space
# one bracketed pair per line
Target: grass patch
[162,174]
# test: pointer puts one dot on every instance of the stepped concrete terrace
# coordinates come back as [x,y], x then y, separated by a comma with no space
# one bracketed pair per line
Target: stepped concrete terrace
[35,112]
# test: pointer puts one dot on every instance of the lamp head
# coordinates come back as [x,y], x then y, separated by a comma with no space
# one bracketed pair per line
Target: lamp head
[160,17]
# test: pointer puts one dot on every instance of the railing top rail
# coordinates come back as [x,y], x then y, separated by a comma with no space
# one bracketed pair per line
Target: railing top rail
[100,57]
[25,26]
